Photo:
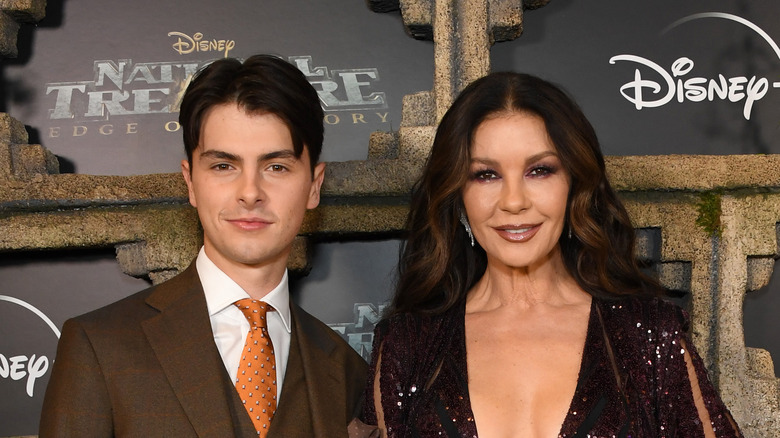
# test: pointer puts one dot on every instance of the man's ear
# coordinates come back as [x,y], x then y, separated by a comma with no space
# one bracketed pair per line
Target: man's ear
[316,184]
[186,171]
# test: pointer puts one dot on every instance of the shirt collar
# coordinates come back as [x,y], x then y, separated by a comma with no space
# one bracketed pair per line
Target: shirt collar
[221,291]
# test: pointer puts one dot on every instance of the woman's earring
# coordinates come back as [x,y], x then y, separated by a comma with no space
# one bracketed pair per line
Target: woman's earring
[569,231]
[465,221]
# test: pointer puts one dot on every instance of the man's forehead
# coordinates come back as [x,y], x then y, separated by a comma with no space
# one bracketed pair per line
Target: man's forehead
[247,135]
[230,113]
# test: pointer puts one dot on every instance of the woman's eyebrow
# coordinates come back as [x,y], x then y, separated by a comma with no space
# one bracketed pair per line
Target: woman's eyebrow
[531,159]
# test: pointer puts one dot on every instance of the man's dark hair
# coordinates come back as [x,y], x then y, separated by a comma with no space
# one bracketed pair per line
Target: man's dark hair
[263,84]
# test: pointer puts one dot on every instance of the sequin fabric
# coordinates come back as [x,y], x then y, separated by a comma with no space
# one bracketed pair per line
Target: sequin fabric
[644,392]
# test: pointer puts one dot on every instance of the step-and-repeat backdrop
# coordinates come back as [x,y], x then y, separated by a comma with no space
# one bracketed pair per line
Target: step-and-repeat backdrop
[98,84]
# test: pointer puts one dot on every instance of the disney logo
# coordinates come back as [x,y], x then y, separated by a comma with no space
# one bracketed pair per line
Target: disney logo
[188,44]
[695,89]
[18,367]
[14,368]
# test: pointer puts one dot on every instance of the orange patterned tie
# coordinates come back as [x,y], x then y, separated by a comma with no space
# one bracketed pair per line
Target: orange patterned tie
[256,378]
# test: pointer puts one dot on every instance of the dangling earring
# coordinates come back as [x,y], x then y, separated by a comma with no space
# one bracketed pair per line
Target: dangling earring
[465,221]
[569,231]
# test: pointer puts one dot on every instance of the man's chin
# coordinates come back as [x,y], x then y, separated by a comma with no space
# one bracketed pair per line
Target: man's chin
[255,259]
[248,253]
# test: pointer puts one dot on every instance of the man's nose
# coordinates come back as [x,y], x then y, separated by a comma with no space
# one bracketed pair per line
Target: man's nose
[251,187]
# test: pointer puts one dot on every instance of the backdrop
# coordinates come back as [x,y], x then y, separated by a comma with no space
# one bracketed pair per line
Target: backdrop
[97,83]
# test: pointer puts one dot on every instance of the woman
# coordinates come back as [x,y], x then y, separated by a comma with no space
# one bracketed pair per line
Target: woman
[520,311]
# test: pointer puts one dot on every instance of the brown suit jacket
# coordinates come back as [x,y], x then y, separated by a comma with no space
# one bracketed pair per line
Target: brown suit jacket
[147,366]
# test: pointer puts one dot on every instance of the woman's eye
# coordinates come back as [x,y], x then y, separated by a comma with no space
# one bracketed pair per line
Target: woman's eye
[484,175]
[541,171]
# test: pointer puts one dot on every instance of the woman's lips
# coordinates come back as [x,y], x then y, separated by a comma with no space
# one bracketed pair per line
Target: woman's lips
[517,233]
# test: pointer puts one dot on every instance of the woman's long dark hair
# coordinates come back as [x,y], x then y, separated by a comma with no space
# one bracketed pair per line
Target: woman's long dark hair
[438,265]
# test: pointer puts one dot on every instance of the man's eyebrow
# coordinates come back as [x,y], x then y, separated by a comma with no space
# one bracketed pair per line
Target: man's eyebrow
[222,155]
[219,155]
[283,153]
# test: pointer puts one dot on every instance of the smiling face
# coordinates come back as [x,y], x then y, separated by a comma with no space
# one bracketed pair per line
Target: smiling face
[250,190]
[516,193]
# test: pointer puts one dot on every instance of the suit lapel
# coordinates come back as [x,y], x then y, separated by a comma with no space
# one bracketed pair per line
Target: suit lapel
[293,415]
[325,390]
[182,340]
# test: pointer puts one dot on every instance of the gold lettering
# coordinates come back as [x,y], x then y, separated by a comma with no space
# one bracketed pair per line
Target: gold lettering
[357,117]
[172,126]
[54,132]
[183,46]
[79,130]
[132,128]
[332,119]
[229,46]
[106,129]
[383,117]
[196,43]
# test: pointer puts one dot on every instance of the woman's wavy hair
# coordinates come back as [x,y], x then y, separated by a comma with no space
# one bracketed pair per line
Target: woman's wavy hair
[438,265]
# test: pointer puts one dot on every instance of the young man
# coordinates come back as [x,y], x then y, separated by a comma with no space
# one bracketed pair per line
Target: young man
[179,359]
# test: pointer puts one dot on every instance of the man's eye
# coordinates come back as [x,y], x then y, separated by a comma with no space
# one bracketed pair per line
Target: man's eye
[221,166]
[277,168]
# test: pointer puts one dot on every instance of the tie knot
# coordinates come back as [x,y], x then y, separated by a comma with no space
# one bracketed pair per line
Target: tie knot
[255,311]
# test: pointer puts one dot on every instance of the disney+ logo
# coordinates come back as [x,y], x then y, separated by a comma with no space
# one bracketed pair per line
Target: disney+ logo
[675,85]
[25,368]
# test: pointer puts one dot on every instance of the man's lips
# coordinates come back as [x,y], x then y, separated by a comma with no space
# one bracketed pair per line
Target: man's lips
[517,233]
[250,223]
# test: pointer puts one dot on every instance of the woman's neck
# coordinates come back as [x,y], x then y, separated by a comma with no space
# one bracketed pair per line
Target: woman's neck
[547,283]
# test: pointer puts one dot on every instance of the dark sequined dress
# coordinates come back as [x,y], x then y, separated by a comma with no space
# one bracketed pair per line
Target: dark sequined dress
[644,392]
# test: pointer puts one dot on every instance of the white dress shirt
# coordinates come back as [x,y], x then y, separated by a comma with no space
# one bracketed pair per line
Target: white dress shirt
[229,324]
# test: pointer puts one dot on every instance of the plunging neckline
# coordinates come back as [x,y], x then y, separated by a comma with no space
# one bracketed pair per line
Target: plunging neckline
[588,341]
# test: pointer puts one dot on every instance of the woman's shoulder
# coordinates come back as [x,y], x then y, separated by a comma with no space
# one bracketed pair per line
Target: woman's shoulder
[644,313]
[415,323]
[643,333]
[418,332]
